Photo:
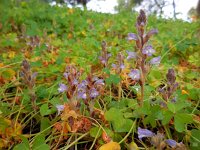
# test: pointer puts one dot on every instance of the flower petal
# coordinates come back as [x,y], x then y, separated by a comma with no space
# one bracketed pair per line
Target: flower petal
[60,108]
[93,93]
[134,74]
[171,142]
[155,60]
[152,32]
[62,87]
[131,55]
[144,133]
[132,36]
[148,50]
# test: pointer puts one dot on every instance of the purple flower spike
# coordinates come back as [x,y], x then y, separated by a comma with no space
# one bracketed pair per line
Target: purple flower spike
[155,60]
[60,108]
[144,133]
[94,93]
[132,36]
[148,50]
[62,87]
[134,74]
[171,142]
[131,55]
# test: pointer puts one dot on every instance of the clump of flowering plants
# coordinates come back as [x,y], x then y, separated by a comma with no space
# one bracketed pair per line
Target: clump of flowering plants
[97,110]
[29,78]
[78,90]
[144,50]
[158,140]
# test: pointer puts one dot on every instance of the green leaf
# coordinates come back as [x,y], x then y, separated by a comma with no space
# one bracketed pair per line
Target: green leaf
[119,104]
[195,139]
[154,114]
[55,101]
[154,77]
[95,132]
[44,110]
[179,105]
[106,70]
[122,125]
[24,145]
[171,106]
[181,120]
[42,92]
[21,146]
[113,79]
[167,116]
[116,117]
[113,114]
[8,73]
[194,94]
[39,143]
[45,123]
[146,108]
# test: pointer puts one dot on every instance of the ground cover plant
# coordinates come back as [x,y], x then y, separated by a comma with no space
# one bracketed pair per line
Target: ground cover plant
[73,79]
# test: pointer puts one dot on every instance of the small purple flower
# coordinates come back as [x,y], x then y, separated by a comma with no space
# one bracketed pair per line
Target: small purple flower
[132,36]
[109,55]
[163,104]
[82,94]
[144,133]
[66,75]
[62,87]
[122,66]
[60,108]
[134,74]
[99,81]
[75,82]
[152,32]
[148,50]
[104,58]
[34,75]
[171,142]
[93,93]
[82,85]
[174,100]
[131,55]
[114,66]
[155,60]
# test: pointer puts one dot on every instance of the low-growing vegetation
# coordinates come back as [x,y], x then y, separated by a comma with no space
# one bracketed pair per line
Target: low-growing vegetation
[73,79]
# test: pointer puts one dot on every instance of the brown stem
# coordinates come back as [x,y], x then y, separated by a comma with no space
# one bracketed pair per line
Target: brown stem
[142,73]
[142,93]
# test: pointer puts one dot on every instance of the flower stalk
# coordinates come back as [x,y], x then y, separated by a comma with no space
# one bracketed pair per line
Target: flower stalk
[143,51]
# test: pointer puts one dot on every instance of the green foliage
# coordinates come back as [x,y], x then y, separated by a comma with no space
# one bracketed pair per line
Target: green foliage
[119,122]
[95,132]
[39,143]
[113,79]
[180,121]
[24,145]
[44,110]
[52,37]
[195,139]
